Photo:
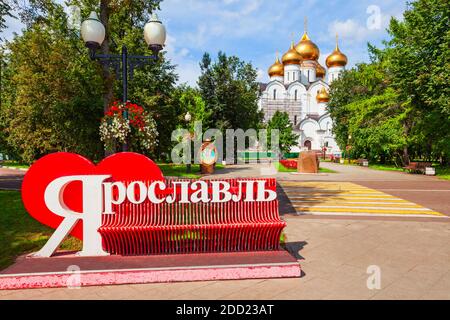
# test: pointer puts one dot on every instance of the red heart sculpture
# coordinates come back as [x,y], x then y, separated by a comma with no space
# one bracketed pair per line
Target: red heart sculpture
[122,166]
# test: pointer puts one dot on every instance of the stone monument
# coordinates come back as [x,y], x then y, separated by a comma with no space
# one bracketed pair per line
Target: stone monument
[308,162]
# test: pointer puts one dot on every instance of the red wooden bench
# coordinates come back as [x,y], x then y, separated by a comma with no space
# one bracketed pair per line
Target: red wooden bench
[417,167]
[360,162]
[193,228]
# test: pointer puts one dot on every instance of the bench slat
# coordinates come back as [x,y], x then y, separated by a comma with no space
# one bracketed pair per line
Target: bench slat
[187,228]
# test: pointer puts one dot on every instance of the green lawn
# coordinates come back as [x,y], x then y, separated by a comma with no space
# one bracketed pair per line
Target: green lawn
[168,169]
[282,168]
[179,170]
[20,233]
[442,173]
[325,170]
[14,164]
[385,167]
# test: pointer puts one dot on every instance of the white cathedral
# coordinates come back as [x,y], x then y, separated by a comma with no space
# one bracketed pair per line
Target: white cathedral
[299,85]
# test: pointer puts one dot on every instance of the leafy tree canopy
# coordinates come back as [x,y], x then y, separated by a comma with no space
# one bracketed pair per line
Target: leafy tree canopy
[394,105]
[229,88]
[281,122]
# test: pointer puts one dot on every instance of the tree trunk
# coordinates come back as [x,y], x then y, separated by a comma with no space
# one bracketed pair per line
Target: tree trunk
[383,158]
[405,156]
[108,77]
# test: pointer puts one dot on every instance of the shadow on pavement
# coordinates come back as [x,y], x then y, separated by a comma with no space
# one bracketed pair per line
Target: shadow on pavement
[294,248]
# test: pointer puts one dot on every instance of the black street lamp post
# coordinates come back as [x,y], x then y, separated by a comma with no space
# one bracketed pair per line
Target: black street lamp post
[349,146]
[93,33]
[188,119]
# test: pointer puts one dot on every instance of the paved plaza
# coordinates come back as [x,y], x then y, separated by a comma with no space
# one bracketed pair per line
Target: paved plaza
[345,228]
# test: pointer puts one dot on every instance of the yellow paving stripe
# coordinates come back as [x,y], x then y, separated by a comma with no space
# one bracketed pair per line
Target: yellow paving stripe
[335,192]
[358,199]
[352,210]
[380,196]
[347,198]
[341,203]
[368,214]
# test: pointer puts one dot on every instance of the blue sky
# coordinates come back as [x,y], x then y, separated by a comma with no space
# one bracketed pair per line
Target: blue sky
[255,29]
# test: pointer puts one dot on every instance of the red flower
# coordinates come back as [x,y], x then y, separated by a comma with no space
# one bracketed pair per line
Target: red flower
[289,163]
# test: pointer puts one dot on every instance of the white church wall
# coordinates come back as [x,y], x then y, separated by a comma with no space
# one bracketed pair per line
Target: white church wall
[309,129]
[277,78]
[326,124]
[321,108]
[276,91]
[334,73]
[291,73]
[296,86]
[316,107]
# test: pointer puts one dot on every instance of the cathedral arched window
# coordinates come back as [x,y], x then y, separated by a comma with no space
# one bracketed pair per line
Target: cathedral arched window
[295,95]
[308,75]
[295,117]
[274,94]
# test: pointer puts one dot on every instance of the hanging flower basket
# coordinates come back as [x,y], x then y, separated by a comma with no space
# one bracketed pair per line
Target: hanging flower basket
[138,128]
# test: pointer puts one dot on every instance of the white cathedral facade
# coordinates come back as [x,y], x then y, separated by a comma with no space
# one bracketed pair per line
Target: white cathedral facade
[299,85]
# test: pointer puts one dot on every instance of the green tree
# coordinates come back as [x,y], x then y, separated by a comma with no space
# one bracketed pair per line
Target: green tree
[123,21]
[54,95]
[229,88]
[355,87]
[52,100]
[280,121]
[419,61]
[393,105]
[152,85]
[376,127]
[191,101]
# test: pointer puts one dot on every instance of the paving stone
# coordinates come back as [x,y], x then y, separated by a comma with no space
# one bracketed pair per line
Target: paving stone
[335,253]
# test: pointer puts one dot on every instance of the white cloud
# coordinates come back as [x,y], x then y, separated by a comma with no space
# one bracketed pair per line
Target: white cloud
[255,29]
[227,2]
[13,25]
[184,52]
[261,75]
[349,29]
[186,67]
[323,57]
[189,71]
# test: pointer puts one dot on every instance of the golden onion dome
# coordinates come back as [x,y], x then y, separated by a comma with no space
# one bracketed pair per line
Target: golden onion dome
[320,71]
[277,69]
[336,58]
[322,96]
[307,49]
[291,56]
